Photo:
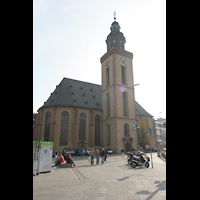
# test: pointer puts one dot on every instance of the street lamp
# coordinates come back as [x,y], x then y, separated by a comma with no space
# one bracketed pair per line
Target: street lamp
[160,129]
[136,122]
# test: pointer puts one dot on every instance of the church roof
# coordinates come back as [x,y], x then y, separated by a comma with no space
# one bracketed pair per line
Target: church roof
[74,93]
[141,111]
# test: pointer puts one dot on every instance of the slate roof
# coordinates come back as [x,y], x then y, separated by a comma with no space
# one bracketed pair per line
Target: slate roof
[141,111]
[74,93]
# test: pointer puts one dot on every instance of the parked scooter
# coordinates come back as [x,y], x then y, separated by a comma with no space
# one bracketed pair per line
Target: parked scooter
[140,161]
[130,156]
[135,153]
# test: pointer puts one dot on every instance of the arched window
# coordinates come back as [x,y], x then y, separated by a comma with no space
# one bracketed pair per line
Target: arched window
[126,129]
[82,119]
[108,134]
[107,77]
[125,103]
[107,105]
[64,128]
[47,126]
[97,130]
[123,69]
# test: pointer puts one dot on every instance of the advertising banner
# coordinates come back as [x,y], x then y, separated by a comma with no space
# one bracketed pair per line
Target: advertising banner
[45,156]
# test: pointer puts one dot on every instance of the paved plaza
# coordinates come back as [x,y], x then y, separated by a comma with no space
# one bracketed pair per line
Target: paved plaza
[114,180]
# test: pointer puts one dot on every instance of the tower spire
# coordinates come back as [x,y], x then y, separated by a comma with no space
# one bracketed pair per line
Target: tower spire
[114,15]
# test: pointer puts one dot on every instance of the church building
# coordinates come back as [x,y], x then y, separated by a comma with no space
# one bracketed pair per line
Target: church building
[80,114]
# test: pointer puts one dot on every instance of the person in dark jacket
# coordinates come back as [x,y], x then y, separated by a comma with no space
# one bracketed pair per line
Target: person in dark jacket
[66,156]
[97,156]
[106,153]
[102,154]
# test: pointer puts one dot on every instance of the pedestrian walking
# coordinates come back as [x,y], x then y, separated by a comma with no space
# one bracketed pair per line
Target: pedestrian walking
[97,156]
[106,153]
[83,154]
[122,151]
[92,154]
[102,155]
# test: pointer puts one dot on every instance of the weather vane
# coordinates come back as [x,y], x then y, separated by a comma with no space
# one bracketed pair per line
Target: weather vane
[114,15]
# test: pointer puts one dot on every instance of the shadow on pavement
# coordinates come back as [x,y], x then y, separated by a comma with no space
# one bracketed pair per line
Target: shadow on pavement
[161,186]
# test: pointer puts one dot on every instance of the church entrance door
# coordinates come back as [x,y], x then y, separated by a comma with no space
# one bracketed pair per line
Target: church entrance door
[127,147]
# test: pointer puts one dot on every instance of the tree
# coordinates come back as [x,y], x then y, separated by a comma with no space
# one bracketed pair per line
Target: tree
[142,133]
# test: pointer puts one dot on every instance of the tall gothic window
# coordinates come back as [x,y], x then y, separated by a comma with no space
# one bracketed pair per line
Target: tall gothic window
[126,129]
[123,74]
[64,128]
[47,126]
[82,119]
[125,103]
[107,105]
[97,130]
[108,134]
[107,77]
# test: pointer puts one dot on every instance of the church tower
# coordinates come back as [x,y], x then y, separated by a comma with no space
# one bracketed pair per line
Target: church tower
[117,93]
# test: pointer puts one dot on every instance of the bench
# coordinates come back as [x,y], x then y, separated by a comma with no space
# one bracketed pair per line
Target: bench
[64,165]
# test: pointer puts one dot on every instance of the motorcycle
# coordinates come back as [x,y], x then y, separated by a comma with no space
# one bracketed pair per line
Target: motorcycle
[130,156]
[138,159]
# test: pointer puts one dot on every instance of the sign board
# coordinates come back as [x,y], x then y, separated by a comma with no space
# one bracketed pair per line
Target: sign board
[148,131]
[45,156]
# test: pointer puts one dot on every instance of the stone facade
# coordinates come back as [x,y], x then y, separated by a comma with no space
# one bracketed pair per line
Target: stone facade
[116,117]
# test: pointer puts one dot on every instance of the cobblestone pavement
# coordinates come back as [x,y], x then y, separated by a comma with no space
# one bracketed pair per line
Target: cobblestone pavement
[113,180]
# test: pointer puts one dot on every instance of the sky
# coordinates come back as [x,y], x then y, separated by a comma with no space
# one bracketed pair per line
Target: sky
[69,40]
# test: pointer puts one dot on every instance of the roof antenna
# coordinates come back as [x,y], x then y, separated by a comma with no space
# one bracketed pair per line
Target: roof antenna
[114,15]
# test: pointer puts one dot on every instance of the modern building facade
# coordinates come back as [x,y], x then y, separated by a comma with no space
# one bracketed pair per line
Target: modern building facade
[161,132]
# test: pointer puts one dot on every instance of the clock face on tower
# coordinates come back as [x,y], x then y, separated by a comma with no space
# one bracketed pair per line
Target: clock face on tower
[123,62]
[107,64]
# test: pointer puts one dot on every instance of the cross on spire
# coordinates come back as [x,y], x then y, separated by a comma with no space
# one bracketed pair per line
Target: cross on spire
[114,15]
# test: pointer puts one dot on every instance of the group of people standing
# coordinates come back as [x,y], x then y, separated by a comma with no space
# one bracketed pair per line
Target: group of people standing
[93,154]
[96,154]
